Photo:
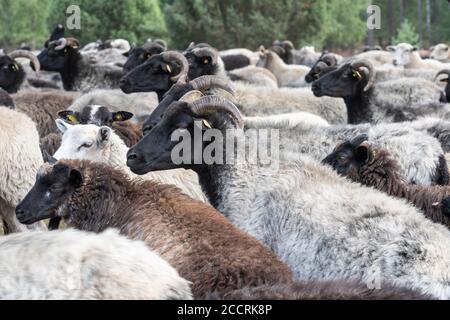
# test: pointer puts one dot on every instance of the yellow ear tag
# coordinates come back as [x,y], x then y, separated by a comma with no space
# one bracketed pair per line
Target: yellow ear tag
[357,75]
[118,117]
[207,124]
[168,68]
[71,118]
[206,61]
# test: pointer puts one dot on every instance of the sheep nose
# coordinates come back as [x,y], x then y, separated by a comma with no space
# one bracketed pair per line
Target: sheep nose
[131,155]
[20,213]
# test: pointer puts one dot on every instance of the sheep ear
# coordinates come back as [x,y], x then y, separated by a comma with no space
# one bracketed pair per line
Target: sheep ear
[48,158]
[68,116]
[362,154]
[122,116]
[62,125]
[75,178]
[104,134]
[390,48]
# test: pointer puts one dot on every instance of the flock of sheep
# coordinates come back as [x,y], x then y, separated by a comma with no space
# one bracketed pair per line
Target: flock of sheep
[359,207]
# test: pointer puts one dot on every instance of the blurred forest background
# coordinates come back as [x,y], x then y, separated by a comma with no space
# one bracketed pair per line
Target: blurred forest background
[331,24]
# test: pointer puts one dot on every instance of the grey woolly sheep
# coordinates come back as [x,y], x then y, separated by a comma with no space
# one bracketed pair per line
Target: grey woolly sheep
[316,221]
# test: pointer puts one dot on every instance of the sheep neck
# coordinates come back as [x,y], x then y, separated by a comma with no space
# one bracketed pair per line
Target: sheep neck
[383,174]
[98,203]
[72,71]
[358,107]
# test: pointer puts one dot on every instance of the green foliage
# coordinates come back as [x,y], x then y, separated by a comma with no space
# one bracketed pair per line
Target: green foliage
[327,24]
[226,23]
[406,33]
[23,21]
[103,19]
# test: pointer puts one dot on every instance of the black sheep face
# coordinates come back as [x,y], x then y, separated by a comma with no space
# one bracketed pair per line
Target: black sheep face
[138,56]
[153,75]
[200,65]
[348,157]
[12,74]
[56,60]
[53,187]
[343,82]
[154,151]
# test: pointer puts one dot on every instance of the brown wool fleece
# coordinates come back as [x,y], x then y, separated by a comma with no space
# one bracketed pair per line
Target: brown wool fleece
[382,172]
[197,240]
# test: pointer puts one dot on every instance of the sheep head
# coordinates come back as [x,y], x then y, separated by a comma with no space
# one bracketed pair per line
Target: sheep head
[348,157]
[158,73]
[53,187]
[351,79]
[154,151]
[402,53]
[179,91]
[58,54]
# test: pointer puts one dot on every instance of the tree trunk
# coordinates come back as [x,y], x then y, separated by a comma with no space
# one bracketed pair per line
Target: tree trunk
[428,10]
[391,19]
[402,10]
[420,21]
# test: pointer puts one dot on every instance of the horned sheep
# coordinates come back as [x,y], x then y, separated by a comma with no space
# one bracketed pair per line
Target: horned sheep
[285,209]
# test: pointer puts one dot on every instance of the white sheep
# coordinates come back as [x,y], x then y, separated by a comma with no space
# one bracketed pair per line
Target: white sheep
[20,160]
[408,56]
[72,264]
[287,75]
[101,144]
[440,52]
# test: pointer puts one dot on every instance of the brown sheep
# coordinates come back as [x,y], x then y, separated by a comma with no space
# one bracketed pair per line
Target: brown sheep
[197,240]
[128,131]
[43,108]
[373,166]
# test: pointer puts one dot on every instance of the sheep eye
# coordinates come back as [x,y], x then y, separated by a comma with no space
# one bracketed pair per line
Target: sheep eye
[85,145]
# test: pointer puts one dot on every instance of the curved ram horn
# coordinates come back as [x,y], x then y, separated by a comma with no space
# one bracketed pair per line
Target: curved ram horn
[356,141]
[447,72]
[288,44]
[181,59]
[60,44]
[26,54]
[191,96]
[212,104]
[206,82]
[365,64]
[72,42]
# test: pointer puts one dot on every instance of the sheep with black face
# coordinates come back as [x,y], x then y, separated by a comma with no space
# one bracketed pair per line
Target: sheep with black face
[137,56]
[157,74]
[77,73]
[12,74]
[389,101]
[285,209]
